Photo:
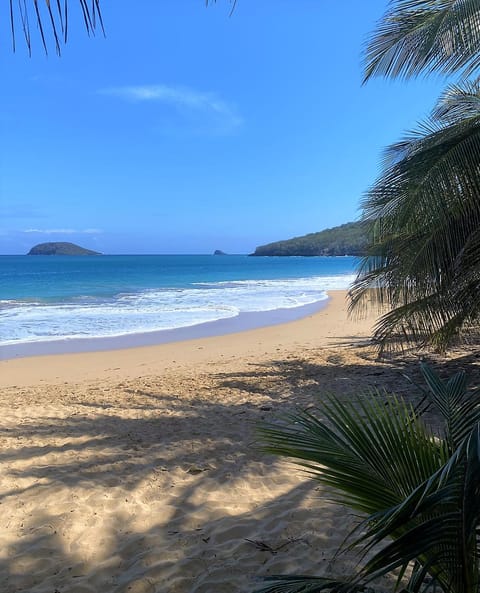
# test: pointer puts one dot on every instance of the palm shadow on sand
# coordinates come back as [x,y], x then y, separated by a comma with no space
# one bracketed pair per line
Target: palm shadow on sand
[102,467]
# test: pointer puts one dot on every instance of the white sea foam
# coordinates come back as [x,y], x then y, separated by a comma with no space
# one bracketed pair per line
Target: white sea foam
[154,310]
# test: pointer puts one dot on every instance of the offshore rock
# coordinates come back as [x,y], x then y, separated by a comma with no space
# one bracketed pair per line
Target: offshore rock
[60,248]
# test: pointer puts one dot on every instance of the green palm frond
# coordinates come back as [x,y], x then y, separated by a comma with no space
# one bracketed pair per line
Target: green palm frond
[423,36]
[458,102]
[307,584]
[420,494]
[361,449]
[438,524]
[424,260]
[459,408]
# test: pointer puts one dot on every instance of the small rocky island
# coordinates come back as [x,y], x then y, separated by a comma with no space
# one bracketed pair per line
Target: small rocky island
[60,248]
[219,252]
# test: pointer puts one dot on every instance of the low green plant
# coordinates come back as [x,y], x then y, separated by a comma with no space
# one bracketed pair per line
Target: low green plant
[416,484]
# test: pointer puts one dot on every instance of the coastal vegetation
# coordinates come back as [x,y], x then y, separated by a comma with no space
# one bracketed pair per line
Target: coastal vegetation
[351,238]
[60,248]
[415,486]
[423,260]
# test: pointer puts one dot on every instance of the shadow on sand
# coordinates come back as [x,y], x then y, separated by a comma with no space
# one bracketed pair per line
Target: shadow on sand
[156,485]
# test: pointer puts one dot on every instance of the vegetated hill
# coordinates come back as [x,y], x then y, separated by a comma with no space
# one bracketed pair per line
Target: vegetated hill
[347,239]
[59,248]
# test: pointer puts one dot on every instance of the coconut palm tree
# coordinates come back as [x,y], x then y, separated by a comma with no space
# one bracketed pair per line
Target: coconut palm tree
[417,489]
[424,208]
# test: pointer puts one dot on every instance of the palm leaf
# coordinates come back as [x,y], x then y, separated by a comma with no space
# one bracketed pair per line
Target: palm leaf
[459,409]
[423,36]
[437,524]
[424,259]
[372,457]
[307,584]
[434,518]
[51,18]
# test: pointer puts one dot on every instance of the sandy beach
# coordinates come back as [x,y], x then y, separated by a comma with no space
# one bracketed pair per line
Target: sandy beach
[137,470]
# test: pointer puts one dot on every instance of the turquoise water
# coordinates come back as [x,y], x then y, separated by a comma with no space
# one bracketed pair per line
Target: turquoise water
[46,298]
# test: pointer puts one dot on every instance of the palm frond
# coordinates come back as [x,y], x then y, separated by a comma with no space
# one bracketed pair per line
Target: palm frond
[371,457]
[423,36]
[51,19]
[458,102]
[424,258]
[459,408]
[307,584]
[435,483]
[436,524]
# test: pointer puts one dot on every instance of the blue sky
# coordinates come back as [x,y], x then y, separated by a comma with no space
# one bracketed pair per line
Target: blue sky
[187,130]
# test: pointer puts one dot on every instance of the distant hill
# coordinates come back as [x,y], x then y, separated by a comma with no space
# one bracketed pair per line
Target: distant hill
[60,249]
[347,239]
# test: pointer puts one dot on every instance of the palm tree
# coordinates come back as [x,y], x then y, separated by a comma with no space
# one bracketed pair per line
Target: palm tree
[424,208]
[417,489]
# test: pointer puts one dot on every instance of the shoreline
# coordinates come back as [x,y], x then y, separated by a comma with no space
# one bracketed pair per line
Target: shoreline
[327,326]
[137,470]
[231,325]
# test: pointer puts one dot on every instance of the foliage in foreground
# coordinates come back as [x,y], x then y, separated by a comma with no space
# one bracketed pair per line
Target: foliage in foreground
[51,20]
[424,261]
[418,490]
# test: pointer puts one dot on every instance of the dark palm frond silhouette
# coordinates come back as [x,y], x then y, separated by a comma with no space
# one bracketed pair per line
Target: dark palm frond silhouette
[51,18]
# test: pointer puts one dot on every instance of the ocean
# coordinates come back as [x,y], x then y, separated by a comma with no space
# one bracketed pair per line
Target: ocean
[46,299]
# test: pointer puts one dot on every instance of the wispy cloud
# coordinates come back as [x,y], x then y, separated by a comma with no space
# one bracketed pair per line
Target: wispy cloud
[64,231]
[186,100]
